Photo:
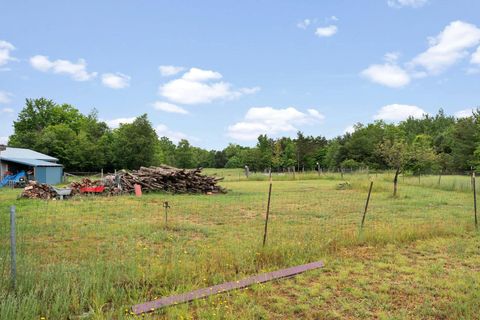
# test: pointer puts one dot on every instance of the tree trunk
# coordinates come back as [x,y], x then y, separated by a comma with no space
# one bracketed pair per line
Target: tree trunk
[395,182]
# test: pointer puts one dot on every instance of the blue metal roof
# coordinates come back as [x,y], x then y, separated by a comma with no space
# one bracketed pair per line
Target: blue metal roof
[32,162]
[21,153]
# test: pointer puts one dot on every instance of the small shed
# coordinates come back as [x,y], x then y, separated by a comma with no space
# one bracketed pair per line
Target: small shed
[39,166]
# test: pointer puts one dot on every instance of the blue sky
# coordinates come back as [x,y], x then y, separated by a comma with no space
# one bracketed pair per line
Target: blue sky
[225,71]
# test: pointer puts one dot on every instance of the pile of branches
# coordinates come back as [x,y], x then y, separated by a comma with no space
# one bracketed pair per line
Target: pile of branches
[169,179]
[35,190]
[85,182]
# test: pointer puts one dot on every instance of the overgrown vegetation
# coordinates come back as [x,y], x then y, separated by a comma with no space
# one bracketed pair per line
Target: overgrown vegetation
[92,258]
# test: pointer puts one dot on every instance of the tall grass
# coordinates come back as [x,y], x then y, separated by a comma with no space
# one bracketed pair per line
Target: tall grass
[94,257]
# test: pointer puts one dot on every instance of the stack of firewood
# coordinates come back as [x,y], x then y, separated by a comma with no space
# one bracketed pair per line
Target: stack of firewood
[169,179]
[35,190]
[163,178]
[85,182]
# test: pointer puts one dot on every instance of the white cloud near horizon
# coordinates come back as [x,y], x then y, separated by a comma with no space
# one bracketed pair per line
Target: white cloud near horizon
[6,49]
[168,71]
[115,123]
[198,86]
[406,3]
[164,131]
[77,71]
[272,121]
[4,140]
[326,31]
[398,112]
[169,107]
[349,129]
[464,113]
[5,97]
[116,80]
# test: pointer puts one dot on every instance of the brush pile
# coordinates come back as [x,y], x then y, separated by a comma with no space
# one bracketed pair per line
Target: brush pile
[35,190]
[169,179]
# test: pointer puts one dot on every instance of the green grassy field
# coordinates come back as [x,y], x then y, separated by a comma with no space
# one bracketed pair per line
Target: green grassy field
[93,258]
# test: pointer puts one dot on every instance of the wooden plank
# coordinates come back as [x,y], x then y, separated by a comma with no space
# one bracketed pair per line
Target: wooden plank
[227,286]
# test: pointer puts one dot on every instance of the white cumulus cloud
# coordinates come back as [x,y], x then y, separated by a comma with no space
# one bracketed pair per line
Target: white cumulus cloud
[464,113]
[6,49]
[406,3]
[272,121]
[115,123]
[476,57]
[198,86]
[115,80]
[77,71]
[326,31]
[3,140]
[350,129]
[448,47]
[388,74]
[169,107]
[164,131]
[168,71]
[398,112]
[5,97]
[196,74]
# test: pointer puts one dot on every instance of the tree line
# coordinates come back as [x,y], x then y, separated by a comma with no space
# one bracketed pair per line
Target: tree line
[438,143]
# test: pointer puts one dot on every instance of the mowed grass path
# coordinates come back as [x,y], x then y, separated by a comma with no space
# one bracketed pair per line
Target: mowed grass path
[92,258]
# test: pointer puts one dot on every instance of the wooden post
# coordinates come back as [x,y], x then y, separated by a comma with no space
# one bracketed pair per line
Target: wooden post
[101,174]
[13,247]
[474,199]
[166,206]
[268,213]
[366,205]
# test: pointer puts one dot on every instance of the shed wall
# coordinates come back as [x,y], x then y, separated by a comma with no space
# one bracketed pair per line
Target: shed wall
[50,175]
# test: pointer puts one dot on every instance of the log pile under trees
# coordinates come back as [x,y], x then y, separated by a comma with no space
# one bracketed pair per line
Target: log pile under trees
[35,190]
[163,178]
[169,179]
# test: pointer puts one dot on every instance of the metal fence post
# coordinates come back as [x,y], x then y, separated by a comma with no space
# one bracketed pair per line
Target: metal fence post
[13,247]
[474,199]
[268,212]
[166,206]
[366,205]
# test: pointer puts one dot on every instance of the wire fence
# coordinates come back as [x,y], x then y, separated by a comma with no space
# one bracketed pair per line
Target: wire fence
[94,254]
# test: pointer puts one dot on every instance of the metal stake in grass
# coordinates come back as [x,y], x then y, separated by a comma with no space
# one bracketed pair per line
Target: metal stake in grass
[366,205]
[268,212]
[13,247]
[166,206]
[474,199]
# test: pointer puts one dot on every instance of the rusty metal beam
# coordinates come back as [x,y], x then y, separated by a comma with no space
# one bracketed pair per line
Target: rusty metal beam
[227,286]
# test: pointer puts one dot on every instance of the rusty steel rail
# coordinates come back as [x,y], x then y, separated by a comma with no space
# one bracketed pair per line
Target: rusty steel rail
[227,286]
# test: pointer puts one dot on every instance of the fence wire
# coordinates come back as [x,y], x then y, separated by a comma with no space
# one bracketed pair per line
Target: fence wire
[96,254]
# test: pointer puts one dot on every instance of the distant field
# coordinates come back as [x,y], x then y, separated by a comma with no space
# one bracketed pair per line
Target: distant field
[94,257]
